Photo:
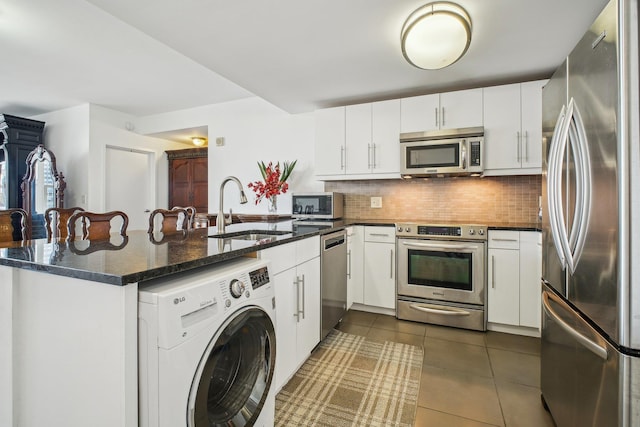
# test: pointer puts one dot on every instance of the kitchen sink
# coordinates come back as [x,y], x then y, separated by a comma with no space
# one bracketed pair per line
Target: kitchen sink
[251,235]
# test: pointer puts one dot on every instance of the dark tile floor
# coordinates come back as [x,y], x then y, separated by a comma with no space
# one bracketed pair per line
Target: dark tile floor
[469,378]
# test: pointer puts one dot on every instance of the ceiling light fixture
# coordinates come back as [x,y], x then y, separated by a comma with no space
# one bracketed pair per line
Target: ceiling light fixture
[198,141]
[436,35]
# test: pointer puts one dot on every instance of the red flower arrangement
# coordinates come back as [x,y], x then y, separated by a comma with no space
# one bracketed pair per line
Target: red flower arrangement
[274,180]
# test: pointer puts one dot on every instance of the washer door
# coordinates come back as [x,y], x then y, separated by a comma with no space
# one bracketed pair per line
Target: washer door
[235,373]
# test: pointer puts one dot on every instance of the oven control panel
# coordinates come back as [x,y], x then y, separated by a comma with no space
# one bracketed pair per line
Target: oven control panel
[442,231]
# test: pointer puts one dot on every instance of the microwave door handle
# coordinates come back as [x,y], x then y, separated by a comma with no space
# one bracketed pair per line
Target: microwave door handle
[439,246]
[464,154]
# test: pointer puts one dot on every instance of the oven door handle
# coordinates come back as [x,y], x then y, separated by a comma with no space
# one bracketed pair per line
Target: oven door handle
[438,309]
[438,246]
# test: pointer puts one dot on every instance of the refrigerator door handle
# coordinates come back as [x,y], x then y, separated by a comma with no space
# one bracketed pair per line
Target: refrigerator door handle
[590,345]
[554,180]
[580,148]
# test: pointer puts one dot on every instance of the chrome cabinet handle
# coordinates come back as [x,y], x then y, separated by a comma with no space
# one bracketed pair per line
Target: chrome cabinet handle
[526,146]
[368,156]
[495,239]
[296,314]
[493,271]
[379,234]
[590,345]
[342,157]
[443,124]
[303,304]
[436,309]
[349,264]
[391,265]
[437,123]
[373,149]
[518,143]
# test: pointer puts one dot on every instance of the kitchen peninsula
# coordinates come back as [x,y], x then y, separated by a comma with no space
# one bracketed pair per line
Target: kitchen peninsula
[68,319]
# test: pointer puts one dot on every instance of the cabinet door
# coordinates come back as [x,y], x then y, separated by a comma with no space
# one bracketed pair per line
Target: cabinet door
[531,99]
[355,265]
[286,360]
[308,326]
[502,136]
[330,141]
[358,139]
[504,288]
[179,182]
[530,275]
[461,109]
[419,113]
[200,185]
[385,151]
[379,275]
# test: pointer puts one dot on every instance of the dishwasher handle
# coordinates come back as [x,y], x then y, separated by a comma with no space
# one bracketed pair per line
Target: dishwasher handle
[331,242]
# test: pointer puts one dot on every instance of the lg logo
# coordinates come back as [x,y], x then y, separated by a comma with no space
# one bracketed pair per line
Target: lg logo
[179,300]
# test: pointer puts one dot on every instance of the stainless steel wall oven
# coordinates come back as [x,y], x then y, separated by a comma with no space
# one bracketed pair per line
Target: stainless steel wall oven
[442,274]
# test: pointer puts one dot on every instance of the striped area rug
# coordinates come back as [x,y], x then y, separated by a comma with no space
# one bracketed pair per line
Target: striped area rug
[352,381]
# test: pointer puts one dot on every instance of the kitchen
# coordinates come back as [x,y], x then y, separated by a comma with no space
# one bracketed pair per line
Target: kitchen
[277,133]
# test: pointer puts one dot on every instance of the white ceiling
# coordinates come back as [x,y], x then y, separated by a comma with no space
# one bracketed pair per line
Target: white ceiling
[145,57]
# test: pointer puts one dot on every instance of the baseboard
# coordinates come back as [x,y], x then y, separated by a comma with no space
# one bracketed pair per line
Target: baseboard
[372,309]
[515,330]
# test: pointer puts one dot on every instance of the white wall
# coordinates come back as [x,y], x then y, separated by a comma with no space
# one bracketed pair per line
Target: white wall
[66,134]
[108,127]
[254,130]
[78,137]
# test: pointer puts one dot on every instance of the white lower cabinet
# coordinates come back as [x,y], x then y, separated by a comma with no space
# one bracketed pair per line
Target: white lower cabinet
[355,265]
[379,266]
[514,271]
[295,274]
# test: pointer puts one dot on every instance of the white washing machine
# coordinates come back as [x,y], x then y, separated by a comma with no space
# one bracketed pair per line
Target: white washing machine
[207,347]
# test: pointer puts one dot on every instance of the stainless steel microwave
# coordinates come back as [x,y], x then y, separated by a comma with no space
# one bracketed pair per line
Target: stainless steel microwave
[454,152]
[317,205]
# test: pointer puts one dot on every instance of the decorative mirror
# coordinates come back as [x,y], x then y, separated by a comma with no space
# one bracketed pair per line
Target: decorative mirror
[42,188]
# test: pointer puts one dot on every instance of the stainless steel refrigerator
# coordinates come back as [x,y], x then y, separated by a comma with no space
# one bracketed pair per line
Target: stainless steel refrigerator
[590,351]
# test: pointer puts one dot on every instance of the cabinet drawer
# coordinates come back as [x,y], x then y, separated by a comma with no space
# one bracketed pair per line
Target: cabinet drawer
[504,239]
[282,257]
[307,249]
[380,234]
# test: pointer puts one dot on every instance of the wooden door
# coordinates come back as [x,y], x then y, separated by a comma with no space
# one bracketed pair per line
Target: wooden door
[189,179]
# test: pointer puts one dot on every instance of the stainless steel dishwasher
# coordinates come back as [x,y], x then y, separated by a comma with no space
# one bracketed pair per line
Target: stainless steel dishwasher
[333,260]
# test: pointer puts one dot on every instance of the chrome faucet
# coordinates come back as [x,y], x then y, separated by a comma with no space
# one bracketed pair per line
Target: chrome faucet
[221,221]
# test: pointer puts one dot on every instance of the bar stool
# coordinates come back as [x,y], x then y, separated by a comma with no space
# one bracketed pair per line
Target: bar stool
[9,232]
[173,220]
[56,221]
[95,225]
[191,211]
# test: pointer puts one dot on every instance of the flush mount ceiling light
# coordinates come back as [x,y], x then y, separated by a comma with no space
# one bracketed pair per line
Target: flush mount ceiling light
[436,35]
[198,141]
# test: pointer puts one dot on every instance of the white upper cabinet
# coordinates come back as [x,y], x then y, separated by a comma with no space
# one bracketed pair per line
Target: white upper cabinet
[330,141]
[449,110]
[361,141]
[513,129]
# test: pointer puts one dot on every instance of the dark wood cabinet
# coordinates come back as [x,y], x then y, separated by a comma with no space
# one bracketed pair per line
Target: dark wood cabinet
[188,178]
[18,138]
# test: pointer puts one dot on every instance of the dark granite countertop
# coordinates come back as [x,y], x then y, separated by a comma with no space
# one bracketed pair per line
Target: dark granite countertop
[141,257]
[138,258]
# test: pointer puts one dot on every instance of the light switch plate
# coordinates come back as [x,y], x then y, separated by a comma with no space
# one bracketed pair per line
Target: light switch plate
[376,202]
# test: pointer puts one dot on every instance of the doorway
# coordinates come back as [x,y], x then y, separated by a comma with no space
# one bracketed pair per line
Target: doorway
[130,184]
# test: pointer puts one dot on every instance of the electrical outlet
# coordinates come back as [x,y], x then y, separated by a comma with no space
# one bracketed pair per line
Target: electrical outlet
[376,202]
[220,141]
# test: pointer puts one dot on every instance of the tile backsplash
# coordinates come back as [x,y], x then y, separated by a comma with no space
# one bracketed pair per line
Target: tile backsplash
[496,199]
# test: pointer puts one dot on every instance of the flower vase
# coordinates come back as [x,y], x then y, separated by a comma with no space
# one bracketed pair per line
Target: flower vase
[272,205]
